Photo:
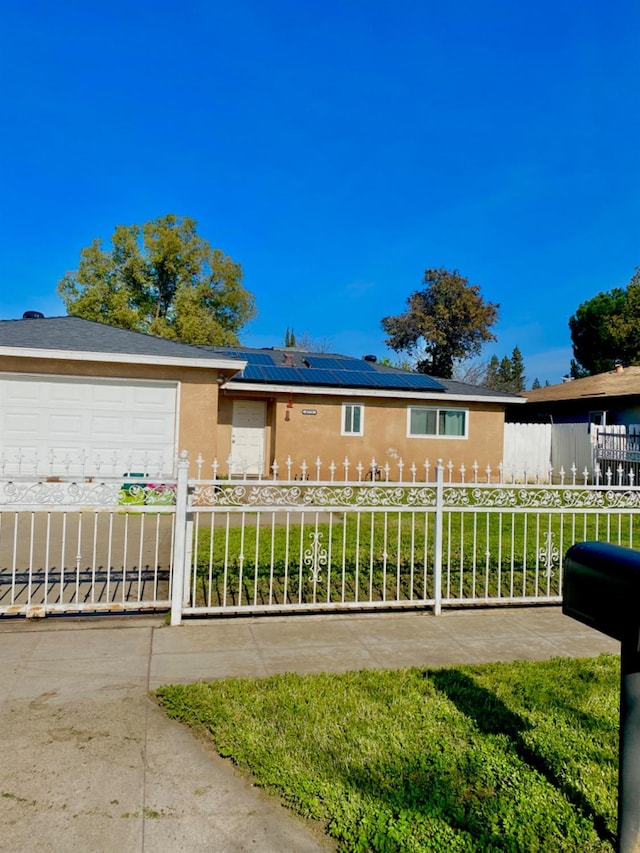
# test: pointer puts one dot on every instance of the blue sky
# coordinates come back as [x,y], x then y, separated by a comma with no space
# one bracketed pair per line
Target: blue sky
[335,149]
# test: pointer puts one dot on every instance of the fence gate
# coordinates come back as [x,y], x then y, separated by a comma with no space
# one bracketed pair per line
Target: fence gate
[68,547]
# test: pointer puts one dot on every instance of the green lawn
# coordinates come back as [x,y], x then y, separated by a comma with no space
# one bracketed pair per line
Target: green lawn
[377,556]
[500,757]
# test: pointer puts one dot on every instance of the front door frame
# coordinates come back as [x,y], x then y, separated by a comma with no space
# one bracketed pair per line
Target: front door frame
[248,438]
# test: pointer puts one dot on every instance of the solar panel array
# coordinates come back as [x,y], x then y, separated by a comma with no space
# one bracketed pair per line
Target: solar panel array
[327,371]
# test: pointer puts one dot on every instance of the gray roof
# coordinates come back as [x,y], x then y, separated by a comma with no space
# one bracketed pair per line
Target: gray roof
[289,366]
[74,335]
[454,387]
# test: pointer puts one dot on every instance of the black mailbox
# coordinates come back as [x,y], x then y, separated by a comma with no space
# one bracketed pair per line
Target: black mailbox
[601,587]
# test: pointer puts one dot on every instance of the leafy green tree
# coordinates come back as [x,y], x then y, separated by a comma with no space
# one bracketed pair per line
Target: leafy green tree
[399,363]
[606,329]
[445,322]
[536,384]
[162,278]
[289,338]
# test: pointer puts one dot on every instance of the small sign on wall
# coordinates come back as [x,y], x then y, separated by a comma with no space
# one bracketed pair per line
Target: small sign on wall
[309,411]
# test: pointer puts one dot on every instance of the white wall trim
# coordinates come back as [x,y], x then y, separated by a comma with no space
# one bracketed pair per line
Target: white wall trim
[398,394]
[235,365]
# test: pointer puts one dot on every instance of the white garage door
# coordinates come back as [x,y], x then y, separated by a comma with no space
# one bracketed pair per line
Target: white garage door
[73,425]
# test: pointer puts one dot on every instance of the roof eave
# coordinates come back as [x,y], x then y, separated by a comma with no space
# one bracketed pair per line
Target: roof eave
[233,366]
[324,390]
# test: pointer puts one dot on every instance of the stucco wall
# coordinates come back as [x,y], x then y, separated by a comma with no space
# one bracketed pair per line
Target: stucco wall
[317,433]
[197,393]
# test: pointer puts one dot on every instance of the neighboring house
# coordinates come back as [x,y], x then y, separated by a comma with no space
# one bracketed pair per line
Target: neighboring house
[607,399]
[292,404]
[594,420]
[74,390]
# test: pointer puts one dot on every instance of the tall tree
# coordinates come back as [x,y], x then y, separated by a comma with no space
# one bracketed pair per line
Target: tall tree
[606,329]
[445,322]
[162,278]
[506,374]
[518,378]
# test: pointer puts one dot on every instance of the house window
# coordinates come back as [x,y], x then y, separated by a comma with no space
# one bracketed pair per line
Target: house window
[352,419]
[437,423]
[598,418]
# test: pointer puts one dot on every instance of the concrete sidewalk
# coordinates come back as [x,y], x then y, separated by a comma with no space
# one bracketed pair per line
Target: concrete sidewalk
[90,763]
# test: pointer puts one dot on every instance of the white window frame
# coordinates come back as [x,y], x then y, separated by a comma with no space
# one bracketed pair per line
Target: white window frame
[438,410]
[343,421]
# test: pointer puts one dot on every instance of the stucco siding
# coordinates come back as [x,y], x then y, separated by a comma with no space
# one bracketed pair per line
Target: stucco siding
[307,427]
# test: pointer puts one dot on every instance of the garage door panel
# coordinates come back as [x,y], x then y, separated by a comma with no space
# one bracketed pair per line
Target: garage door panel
[65,425]
[151,396]
[143,428]
[20,424]
[64,393]
[26,394]
[109,394]
[87,420]
[104,427]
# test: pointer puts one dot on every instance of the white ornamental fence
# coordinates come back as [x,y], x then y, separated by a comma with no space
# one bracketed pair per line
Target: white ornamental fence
[219,546]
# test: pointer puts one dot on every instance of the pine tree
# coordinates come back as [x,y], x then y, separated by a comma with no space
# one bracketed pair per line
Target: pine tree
[517,371]
[506,374]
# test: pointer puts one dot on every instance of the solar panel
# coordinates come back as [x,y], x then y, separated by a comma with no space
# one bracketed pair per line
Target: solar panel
[258,358]
[262,358]
[318,363]
[343,378]
[252,371]
[389,380]
[284,374]
[338,364]
[357,364]
[358,378]
[318,376]
[421,380]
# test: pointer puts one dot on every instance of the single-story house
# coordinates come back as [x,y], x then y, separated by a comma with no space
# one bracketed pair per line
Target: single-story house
[75,389]
[606,399]
[291,404]
[594,421]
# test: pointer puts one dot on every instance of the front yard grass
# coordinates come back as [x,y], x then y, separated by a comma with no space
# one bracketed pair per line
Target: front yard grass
[500,757]
[377,556]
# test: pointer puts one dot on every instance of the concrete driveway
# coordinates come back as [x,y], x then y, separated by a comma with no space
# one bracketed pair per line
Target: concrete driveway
[88,761]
